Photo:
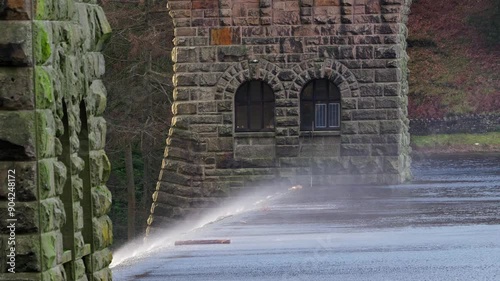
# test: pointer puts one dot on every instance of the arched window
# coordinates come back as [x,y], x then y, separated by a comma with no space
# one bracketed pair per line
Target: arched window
[320,106]
[254,107]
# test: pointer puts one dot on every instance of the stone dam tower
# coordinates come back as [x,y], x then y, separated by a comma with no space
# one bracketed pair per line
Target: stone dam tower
[283,90]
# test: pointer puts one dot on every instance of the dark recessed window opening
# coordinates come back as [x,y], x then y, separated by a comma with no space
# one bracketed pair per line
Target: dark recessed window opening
[320,106]
[254,107]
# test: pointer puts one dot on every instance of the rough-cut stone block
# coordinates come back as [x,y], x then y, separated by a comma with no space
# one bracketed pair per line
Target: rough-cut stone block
[354,149]
[369,127]
[28,255]
[17,137]
[15,10]
[51,250]
[391,127]
[16,44]
[16,92]
[102,232]
[25,174]
[388,75]
[101,199]
[386,149]
[365,165]
[254,151]
[232,53]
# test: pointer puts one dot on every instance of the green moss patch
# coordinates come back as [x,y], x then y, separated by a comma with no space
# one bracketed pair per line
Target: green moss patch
[43,48]
[43,89]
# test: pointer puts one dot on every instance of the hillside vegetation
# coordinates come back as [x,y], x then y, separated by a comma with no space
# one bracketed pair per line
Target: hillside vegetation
[454,49]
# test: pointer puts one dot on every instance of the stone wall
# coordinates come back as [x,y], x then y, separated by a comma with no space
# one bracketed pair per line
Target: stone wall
[465,124]
[52,137]
[359,45]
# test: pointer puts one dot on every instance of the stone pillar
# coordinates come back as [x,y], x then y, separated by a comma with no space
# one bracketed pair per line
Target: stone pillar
[52,139]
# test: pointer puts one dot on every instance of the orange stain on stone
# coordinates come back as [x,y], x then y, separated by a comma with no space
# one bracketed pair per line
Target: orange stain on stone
[221,36]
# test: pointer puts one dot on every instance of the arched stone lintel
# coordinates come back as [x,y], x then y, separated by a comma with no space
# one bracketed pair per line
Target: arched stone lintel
[250,70]
[333,70]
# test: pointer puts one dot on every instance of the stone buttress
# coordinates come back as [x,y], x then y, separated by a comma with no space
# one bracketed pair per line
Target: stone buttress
[52,137]
[358,46]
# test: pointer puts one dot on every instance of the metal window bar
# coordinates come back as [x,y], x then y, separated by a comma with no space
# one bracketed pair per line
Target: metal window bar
[320,115]
[334,115]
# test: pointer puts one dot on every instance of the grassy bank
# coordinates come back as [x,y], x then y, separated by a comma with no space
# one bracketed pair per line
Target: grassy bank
[488,142]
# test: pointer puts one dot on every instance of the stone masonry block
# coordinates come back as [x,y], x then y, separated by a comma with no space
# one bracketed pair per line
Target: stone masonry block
[391,127]
[184,108]
[17,137]
[369,127]
[46,132]
[101,200]
[184,54]
[16,44]
[28,254]
[355,149]
[46,183]
[388,75]
[103,232]
[16,10]
[25,173]
[52,249]
[16,92]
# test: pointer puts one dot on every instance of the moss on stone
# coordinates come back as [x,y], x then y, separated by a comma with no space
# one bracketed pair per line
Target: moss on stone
[43,89]
[52,215]
[105,29]
[43,48]
[40,10]
[106,167]
[101,200]
[103,232]
[96,99]
[80,270]
[46,178]
[49,250]
[101,259]
[54,274]
[45,133]
[59,176]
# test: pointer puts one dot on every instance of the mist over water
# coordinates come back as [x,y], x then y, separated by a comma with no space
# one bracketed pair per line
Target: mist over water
[244,202]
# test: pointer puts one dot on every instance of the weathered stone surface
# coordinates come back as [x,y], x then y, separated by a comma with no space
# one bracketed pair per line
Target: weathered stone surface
[28,254]
[51,59]
[100,167]
[17,137]
[103,232]
[96,100]
[46,133]
[16,92]
[369,127]
[101,200]
[55,273]
[51,250]
[16,44]
[15,10]
[25,183]
[52,214]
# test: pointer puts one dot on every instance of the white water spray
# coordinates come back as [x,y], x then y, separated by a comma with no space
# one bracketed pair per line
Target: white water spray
[243,203]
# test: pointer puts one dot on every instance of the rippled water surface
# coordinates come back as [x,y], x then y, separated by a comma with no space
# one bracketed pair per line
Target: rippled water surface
[444,225]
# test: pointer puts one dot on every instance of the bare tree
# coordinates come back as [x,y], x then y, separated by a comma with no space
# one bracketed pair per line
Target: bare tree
[138,71]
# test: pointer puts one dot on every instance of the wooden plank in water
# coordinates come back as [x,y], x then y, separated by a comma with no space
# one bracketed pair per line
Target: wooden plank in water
[202,242]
